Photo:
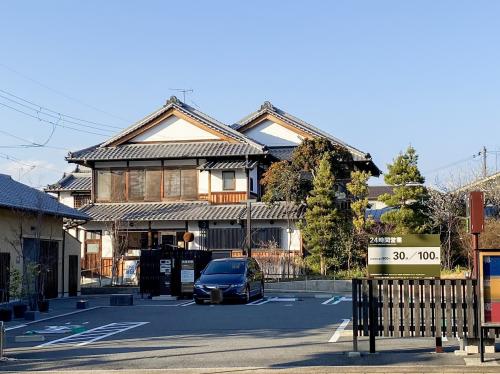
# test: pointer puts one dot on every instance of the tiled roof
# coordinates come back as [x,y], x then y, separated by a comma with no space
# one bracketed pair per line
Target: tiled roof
[164,150]
[282,153]
[186,211]
[174,103]
[72,182]
[18,196]
[268,108]
[375,191]
[220,165]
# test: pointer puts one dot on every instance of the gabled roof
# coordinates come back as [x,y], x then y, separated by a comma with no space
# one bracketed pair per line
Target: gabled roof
[268,109]
[187,211]
[175,104]
[80,182]
[234,143]
[18,196]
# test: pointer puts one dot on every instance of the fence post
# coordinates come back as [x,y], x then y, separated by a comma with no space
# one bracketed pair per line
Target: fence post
[372,318]
[2,338]
[354,315]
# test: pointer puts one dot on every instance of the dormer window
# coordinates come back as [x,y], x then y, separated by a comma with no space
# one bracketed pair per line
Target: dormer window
[228,181]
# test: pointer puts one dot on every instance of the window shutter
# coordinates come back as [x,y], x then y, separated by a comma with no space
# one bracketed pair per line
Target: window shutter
[189,184]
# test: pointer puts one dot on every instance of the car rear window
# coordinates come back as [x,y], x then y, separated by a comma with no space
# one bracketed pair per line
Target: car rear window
[225,267]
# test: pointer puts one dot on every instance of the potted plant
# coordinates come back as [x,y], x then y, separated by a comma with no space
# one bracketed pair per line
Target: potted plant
[19,307]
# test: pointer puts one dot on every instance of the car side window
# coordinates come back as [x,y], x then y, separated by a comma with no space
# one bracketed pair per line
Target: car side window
[250,268]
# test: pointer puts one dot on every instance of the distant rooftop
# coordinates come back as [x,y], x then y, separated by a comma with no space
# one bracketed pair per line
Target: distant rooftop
[18,196]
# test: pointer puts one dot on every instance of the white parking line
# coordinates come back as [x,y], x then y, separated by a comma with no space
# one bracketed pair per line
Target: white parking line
[336,336]
[329,300]
[15,327]
[262,301]
[255,302]
[187,304]
[94,334]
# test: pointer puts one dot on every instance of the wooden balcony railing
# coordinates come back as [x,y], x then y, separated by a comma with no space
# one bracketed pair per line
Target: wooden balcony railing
[224,197]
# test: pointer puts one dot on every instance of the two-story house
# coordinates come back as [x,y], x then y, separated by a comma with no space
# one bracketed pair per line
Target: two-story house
[179,170]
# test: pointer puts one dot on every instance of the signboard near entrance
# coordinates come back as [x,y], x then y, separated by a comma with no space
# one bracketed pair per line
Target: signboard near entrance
[187,276]
[490,286]
[404,256]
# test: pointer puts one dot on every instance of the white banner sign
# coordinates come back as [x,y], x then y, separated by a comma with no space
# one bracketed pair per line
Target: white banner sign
[404,255]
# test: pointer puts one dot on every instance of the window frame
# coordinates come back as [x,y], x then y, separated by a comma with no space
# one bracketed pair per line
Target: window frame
[226,172]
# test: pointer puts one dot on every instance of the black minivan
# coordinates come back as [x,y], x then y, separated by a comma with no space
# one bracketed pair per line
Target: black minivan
[239,278]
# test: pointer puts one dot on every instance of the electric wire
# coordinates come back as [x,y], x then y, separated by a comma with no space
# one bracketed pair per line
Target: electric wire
[60,92]
[53,111]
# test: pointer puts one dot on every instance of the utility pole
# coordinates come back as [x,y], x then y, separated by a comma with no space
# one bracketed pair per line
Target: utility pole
[485,168]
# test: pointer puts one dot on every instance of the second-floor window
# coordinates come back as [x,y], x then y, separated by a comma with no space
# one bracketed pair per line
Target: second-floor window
[228,181]
[141,184]
[180,184]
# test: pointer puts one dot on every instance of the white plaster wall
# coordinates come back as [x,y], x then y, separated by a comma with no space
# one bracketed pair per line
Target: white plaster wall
[203,181]
[66,199]
[241,180]
[195,229]
[107,247]
[273,134]
[174,129]
[375,204]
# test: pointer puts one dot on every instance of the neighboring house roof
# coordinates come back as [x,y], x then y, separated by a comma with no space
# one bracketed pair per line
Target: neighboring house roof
[221,165]
[375,191]
[186,211]
[164,150]
[282,153]
[18,196]
[268,108]
[78,182]
[175,103]
[490,181]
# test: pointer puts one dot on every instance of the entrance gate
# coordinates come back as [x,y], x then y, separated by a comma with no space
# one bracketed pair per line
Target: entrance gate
[153,273]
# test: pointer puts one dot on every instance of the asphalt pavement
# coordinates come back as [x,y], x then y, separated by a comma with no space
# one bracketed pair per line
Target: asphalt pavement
[281,331]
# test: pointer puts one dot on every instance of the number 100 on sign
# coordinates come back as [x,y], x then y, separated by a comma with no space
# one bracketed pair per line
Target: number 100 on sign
[404,261]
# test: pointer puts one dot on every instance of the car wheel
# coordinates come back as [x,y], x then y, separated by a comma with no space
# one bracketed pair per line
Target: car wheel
[199,302]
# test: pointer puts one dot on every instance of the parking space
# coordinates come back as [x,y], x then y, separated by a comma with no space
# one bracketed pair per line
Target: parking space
[279,330]
[273,331]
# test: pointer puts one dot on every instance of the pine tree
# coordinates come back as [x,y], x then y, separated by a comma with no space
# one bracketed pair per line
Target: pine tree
[321,218]
[358,189]
[408,197]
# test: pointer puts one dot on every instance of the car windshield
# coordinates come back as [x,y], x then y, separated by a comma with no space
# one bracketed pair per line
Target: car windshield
[225,267]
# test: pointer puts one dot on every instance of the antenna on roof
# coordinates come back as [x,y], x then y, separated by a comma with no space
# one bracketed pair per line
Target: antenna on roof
[184,91]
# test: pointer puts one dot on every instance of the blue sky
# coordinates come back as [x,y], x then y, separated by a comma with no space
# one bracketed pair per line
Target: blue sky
[378,74]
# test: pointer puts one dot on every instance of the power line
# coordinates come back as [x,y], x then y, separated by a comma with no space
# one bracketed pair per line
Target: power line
[40,107]
[31,144]
[32,166]
[433,171]
[39,112]
[53,123]
[61,93]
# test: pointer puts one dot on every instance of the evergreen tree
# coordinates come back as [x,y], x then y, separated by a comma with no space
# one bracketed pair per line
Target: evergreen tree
[321,218]
[408,197]
[358,189]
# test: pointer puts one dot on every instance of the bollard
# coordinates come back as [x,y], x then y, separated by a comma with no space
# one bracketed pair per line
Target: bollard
[439,344]
[2,335]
